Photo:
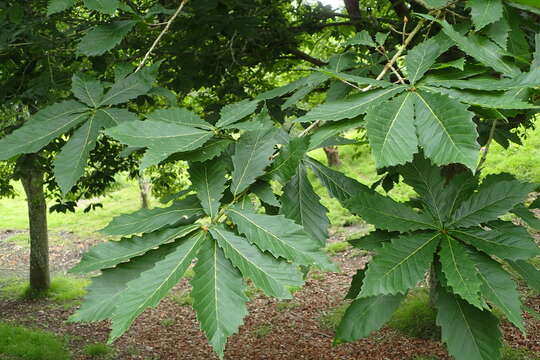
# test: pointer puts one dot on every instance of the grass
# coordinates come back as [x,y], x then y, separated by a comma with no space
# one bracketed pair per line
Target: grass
[262,330]
[182,298]
[286,305]
[62,290]
[26,344]
[415,317]
[337,247]
[510,353]
[330,319]
[98,350]
[167,322]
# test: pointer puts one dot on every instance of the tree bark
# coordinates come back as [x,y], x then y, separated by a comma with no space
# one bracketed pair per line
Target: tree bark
[144,187]
[353,9]
[31,174]
[332,155]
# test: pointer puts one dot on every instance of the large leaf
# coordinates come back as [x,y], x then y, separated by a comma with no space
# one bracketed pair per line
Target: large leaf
[235,112]
[300,203]
[391,131]
[365,316]
[504,240]
[103,6]
[281,237]
[460,271]
[42,128]
[213,148]
[218,296]
[179,116]
[103,38]
[110,117]
[352,106]
[152,285]
[87,89]
[400,265]
[524,80]
[422,57]
[208,181]
[527,216]
[161,139]
[374,240]
[56,6]
[485,12]
[69,164]
[111,253]
[469,333]
[492,201]
[130,87]
[528,272]
[387,214]
[252,154]
[499,288]
[535,66]
[145,220]
[446,130]
[286,163]
[320,137]
[274,277]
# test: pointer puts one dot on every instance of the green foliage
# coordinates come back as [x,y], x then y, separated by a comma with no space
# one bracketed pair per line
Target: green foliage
[182,298]
[97,350]
[510,353]
[29,344]
[262,330]
[62,290]
[336,247]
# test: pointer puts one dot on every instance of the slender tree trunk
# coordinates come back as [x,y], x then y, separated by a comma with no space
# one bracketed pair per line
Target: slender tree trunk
[144,190]
[332,155]
[31,175]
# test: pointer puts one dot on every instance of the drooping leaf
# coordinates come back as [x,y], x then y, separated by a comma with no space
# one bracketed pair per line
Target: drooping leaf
[252,154]
[152,285]
[504,240]
[528,272]
[179,116]
[399,265]
[111,253]
[387,214]
[218,296]
[56,6]
[499,288]
[460,271]
[69,164]
[130,87]
[145,220]
[87,89]
[281,237]
[107,7]
[208,181]
[285,166]
[391,131]
[492,201]
[422,57]
[103,38]
[352,106]
[469,333]
[236,112]
[267,273]
[485,12]
[365,316]
[446,130]
[42,128]
[301,204]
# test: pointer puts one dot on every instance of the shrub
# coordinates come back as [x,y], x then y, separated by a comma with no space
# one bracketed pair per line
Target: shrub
[97,350]
[415,317]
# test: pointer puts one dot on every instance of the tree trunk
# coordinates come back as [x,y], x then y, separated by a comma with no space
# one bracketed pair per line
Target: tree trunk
[332,155]
[144,190]
[353,9]
[31,175]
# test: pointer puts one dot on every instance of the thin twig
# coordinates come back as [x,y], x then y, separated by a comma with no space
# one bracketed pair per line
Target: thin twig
[488,143]
[165,29]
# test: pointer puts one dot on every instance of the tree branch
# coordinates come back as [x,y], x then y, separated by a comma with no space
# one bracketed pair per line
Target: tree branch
[353,9]
[400,8]
[302,55]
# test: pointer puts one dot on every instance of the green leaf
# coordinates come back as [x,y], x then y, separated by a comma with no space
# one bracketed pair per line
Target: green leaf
[111,117]
[499,288]
[524,80]
[87,89]
[400,265]
[235,112]
[436,4]
[301,204]
[535,66]
[365,316]
[528,272]
[422,57]
[111,253]
[490,202]
[161,139]
[482,49]
[485,12]
[218,296]
[148,289]
[391,131]
[469,333]
[271,275]
[251,155]
[42,128]
[264,192]
[179,116]
[286,163]
[281,237]
[312,82]
[56,6]
[320,136]
[130,87]
[356,284]
[446,130]
[526,215]
[208,181]
[499,32]
[283,90]
[361,38]
[352,106]
[69,164]
[213,148]
[107,7]
[460,271]
[102,295]
[145,220]
[103,38]
[355,79]
[373,241]
[387,214]
[504,240]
